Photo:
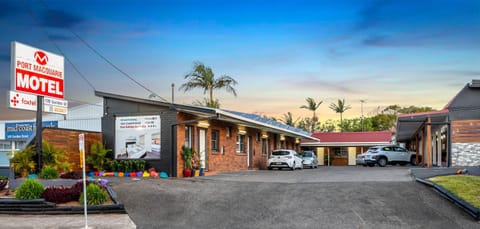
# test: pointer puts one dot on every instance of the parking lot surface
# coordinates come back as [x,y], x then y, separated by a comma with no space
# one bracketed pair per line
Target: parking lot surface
[334,197]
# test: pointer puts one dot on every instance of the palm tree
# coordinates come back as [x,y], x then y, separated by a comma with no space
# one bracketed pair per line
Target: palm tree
[313,106]
[288,119]
[203,77]
[340,107]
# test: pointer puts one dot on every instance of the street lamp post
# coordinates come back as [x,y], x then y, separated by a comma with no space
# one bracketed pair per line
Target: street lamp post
[361,119]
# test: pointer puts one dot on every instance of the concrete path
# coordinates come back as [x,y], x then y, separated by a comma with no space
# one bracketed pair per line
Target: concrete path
[100,221]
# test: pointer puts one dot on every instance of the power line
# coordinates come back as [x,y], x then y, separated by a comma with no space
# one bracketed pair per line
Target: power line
[58,47]
[108,61]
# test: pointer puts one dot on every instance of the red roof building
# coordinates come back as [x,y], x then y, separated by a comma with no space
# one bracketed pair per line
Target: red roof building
[342,148]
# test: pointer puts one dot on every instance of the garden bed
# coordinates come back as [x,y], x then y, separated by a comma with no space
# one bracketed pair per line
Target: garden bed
[10,205]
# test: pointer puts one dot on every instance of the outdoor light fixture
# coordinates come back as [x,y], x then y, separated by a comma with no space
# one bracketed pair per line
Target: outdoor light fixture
[282,137]
[203,124]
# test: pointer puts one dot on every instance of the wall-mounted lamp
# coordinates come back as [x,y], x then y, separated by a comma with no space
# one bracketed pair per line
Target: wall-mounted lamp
[282,137]
[242,132]
[203,124]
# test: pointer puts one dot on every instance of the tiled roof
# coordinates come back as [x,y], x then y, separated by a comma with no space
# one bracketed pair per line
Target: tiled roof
[374,136]
[268,121]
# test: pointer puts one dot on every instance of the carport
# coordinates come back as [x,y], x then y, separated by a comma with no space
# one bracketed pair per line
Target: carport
[428,134]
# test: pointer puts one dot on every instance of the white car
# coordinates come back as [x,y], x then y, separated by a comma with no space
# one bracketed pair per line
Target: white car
[389,154]
[285,158]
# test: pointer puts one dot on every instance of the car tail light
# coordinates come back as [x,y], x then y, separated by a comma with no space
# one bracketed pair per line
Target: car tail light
[363,157]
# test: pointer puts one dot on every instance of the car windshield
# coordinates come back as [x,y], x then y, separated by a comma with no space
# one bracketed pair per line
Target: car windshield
[307,154]
[280,153]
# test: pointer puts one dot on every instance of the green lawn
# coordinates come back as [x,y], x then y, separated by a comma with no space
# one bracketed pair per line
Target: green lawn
[464,186]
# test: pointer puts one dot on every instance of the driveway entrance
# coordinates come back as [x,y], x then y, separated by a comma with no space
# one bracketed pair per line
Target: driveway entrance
[322,174]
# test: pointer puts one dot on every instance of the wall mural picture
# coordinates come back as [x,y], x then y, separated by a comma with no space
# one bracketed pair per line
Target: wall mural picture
[137,137]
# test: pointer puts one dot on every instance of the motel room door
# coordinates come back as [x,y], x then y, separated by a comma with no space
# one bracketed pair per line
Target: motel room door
[202,147]
[250,151]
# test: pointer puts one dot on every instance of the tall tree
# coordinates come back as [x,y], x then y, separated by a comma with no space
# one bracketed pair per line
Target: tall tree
[313,106]
[203,77]
[288,119]
[340,107]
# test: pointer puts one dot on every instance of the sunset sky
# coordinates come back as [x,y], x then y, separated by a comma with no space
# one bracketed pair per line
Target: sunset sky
[280,52]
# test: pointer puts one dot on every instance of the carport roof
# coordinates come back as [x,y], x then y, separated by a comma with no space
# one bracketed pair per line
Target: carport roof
[408,124]
[241,118]
[350,138]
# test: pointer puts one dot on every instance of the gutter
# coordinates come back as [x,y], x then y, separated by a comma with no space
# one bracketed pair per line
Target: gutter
[264,124]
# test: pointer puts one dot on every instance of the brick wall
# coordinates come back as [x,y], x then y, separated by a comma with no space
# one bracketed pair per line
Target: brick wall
[67,140]
[227,158]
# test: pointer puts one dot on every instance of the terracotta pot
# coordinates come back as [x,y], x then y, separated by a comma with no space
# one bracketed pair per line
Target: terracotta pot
[187,173]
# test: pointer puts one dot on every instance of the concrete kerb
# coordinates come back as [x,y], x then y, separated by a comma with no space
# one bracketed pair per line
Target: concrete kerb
[468,208]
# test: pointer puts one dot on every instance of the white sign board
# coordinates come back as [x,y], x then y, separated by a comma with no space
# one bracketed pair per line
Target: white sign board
[137,137]
[18,100]
[52,105]
[22,101]
[36,71]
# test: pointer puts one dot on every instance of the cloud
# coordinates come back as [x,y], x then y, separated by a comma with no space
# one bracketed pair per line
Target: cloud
[60,19]
[371,15]
[322,85]
[7,9]
[404,23]
[58,37]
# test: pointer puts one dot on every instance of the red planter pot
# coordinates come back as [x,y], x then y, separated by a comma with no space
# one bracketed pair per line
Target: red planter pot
[187,173]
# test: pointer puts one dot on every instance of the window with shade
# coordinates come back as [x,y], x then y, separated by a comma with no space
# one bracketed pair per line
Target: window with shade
[240,143]
[215,141]
[189,136]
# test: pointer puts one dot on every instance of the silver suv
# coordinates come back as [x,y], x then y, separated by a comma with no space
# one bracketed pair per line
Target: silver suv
[389,154]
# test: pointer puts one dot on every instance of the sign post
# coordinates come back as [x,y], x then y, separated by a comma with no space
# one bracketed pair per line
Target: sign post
[38,135]
[81,147]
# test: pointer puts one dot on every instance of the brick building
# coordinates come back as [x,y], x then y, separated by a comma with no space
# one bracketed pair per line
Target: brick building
[448,137]
[223,140]
[342,148]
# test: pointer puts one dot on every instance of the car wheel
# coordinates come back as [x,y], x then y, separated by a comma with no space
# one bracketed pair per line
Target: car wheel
[370,164]
[413,161]
[382,162]
[293,166]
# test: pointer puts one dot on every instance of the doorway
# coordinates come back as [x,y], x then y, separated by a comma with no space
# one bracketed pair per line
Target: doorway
[202,147]
[250,151]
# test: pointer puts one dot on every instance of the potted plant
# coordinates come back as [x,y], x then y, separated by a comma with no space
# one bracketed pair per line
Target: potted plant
[187,158]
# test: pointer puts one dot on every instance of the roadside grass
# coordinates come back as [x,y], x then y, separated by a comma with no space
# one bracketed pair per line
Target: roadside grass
[465,187]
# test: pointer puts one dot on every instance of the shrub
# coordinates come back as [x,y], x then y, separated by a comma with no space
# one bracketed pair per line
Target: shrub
[29,189]
[71,175]
[54,157]
[22,161]
[49,172]
[64,194]
[98,156]
[95,195]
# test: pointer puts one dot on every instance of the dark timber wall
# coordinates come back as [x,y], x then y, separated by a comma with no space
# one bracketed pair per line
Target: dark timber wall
[114,107]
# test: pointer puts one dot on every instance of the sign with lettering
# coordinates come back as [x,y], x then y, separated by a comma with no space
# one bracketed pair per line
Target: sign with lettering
[24,101]
[24,130]
[36,71]
[137,137]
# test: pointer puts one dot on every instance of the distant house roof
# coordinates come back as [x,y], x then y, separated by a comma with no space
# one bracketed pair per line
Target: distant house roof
[350,138]
[251,120]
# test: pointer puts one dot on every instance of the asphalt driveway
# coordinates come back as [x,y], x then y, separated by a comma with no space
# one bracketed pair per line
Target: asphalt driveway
[335,197]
